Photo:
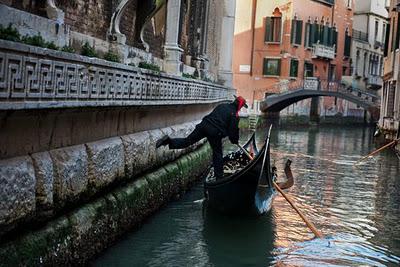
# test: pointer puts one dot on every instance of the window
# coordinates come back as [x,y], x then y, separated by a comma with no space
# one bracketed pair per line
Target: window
[349,3]
[294,68]
[308,69]
[347,44]
[272,67]
[297,31]
[273,27]
[376,30]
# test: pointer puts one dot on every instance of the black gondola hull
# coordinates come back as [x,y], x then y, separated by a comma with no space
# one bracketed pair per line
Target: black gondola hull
[248,191]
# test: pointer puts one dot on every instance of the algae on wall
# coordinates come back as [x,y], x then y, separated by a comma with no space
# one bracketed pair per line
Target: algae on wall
[75,238]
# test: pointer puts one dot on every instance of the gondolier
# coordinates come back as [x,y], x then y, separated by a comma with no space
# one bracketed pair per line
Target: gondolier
[223,121]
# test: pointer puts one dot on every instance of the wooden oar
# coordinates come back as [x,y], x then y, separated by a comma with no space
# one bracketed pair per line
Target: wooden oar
[308,223]
[302,216]
[376,151]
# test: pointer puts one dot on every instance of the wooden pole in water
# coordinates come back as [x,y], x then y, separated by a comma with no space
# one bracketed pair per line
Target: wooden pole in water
[302,216]
[376,151]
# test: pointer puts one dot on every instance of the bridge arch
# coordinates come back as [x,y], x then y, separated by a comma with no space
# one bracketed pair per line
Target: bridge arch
[278,102]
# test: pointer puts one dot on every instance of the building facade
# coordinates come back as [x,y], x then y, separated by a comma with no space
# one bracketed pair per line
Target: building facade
[390,104]
[180,36]
[369,33]
[288,41]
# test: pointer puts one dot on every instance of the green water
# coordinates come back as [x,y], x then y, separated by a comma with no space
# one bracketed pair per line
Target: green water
[357,209]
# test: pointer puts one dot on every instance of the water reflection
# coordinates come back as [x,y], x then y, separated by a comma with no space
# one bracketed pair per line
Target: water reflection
[228,238]
[357,208]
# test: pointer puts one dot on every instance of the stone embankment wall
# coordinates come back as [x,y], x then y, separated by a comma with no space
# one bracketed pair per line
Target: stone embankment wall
[42,185]
[74,238]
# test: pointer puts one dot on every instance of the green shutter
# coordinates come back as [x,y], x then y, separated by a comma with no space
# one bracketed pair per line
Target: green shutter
[292,32]
[330,36]
[265,66]
[307,35]
[299,31]
[268,29]
[325,40]
[294,67]
[334,38]
[313,33]
[347,46]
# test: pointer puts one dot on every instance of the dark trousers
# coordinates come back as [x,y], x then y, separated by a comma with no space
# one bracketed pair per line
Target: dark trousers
[214,137]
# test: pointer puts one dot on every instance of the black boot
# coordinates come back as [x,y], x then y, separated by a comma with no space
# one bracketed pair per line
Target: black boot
[163,141]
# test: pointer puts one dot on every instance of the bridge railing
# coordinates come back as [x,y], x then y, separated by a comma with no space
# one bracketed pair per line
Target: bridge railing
[33,77]
[312,83]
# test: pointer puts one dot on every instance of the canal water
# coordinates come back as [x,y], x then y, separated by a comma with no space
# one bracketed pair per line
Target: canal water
[356,208]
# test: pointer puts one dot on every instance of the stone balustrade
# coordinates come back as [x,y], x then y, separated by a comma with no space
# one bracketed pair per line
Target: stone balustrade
[33,77]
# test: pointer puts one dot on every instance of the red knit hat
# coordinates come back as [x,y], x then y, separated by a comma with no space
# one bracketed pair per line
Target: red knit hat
[241,102]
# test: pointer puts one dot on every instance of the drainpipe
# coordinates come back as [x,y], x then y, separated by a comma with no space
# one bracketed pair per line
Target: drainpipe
[253,23]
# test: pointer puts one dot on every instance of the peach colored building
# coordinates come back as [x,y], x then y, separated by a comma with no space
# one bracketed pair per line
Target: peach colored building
[287,40]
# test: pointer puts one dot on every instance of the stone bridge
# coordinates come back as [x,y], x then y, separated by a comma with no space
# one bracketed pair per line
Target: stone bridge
[290,93]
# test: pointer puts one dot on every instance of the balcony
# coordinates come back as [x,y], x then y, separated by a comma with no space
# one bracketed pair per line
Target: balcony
[360,36]
[323,51]
[375,81]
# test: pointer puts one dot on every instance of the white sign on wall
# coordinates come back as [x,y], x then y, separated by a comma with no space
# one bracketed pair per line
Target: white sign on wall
[244,68]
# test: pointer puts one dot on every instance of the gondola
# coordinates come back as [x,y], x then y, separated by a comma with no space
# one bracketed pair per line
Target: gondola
[249,190]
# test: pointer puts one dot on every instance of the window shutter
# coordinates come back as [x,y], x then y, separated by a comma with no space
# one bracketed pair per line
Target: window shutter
[347,46]
[299,31]
[307,35]
[313,33]
[292,32]
[294,66]
[279,68]
[265,65]
[385,51]
[268,29]
[330,36]
[334,38]
[325,39]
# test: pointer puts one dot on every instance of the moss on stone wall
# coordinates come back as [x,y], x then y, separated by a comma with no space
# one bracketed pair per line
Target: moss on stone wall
[78,236]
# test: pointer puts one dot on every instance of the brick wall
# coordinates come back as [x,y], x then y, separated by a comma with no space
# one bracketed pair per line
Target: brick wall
[91,17]
[127,25]
[32,6]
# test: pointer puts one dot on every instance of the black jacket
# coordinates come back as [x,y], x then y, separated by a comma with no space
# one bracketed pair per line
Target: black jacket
[223,118]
